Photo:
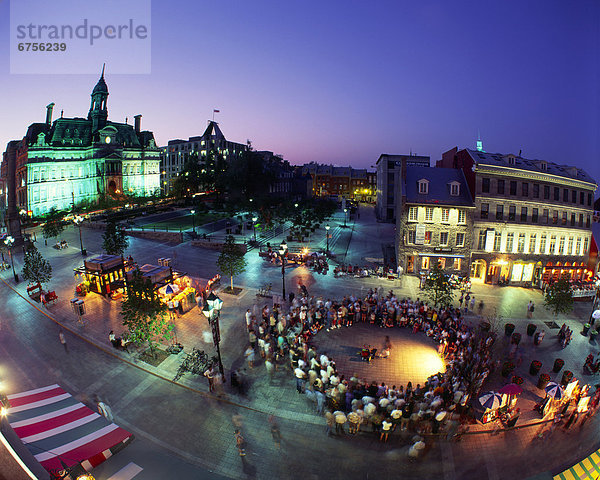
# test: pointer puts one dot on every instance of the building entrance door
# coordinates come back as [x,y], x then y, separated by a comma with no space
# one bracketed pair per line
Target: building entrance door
[410,264]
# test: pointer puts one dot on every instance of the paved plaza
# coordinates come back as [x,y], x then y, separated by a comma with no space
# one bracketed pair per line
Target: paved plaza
[196,428]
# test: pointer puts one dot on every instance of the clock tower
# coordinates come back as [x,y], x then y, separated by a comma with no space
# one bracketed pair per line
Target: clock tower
[98,113]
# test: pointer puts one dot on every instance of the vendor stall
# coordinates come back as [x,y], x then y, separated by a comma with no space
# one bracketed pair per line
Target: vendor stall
[103,274]
[180,293]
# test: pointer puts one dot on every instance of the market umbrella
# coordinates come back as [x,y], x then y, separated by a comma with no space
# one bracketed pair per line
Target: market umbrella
[596,314]
[511,389]
[554,390]
[171,289]
[490,400]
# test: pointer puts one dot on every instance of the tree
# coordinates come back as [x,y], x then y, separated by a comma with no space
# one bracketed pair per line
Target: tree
[437,286]
[36,269]
[54,225]
[115,240]
[189,180]
[144,315]
[559,296]
[231,261]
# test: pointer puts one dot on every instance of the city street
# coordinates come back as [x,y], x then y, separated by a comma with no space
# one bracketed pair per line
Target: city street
[191,431]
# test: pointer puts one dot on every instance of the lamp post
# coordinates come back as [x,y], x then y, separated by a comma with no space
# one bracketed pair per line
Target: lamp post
[8,241]
[283,248]
[254,219]
[345,216]
[193,212]
[327,227]
[212,311]
[78,219]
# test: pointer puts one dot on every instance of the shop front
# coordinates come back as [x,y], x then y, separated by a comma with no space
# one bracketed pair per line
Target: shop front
[104,274]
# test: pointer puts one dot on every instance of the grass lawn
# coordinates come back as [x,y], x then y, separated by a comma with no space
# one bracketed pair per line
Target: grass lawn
[184,222]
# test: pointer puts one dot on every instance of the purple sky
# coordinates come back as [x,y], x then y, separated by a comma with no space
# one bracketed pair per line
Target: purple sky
[343,81]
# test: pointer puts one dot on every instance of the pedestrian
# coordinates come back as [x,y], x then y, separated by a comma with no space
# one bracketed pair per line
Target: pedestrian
[249,354]
[460,300]
[209,373]
[63,340]
[467,298]
[340,420]
[300,379]
[275,432]
[329,422]
[105,410]
[538,337]
[473,303]
[386,425]
[480,308]
[353,423]
[270,368]
[529,309]
[239,442]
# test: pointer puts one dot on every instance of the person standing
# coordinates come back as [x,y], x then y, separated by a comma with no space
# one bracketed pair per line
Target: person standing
[210,375]
[529,309]
[63,340]
[473,303]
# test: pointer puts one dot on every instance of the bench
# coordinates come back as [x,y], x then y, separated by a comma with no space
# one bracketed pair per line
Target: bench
[34,290]
[51,297]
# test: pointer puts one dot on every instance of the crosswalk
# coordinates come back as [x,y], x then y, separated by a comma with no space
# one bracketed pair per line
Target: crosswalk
[127,472]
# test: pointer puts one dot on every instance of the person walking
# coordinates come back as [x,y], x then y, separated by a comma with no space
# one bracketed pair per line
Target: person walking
[275,432]
[473,303]
[239,443]
[340,420]
[329,423]
[63,340]
[386,426]
[105,410]
[480,308]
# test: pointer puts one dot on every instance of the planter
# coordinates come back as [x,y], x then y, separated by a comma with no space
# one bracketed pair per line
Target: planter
[509,328]
[558,364]
[586,328]
[515,338]
[531,329]
[543,381]
[566,378]
[593,334]
[517,380]
[507,368]
[535,367]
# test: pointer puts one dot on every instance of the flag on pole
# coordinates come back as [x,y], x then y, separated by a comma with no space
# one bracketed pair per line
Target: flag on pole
[216,111]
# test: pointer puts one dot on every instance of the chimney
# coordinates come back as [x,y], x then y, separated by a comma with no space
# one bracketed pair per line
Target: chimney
[138,123]
[49,113]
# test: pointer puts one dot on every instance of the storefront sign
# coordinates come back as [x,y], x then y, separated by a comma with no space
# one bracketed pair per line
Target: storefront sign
[420,234]
[442,249]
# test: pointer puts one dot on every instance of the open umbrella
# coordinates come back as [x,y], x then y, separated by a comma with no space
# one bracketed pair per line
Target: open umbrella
[596,314]
[511,389]
[171,289]
[490,400]
[554,390]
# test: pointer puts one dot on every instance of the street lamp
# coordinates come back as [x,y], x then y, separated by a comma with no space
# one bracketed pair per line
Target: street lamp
[283,248]
[254,219]
[327,227]
[212,311]
[78,219]
[8,241]
[193,212]
[345,216]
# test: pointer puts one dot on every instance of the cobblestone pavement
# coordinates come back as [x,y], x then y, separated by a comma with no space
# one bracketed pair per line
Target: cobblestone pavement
[197,427]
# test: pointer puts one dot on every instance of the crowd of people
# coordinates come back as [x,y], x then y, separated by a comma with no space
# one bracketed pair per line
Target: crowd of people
[282,337]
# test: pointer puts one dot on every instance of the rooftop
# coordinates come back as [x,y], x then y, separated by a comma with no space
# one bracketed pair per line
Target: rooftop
[439,186]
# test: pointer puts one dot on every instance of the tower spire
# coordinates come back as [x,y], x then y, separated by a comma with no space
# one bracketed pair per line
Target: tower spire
[479,142]
[102,75]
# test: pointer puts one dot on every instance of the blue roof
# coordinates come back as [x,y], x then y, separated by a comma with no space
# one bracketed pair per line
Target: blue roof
[439,186]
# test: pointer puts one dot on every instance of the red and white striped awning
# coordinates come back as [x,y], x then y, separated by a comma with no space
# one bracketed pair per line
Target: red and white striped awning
[56,427]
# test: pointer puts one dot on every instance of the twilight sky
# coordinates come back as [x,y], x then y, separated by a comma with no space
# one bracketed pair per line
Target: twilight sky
[343,81]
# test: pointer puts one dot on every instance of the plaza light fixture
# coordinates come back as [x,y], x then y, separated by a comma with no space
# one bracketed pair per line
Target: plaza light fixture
[212,311]
[283,249]
[193,212]
[254,219]
[327,227]
[9,241]
[78,219]
[345,216]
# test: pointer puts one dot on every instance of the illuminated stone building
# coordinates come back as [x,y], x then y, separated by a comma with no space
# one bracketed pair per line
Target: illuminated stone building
[434,221]
[340,182]
[77,160]
[532,219]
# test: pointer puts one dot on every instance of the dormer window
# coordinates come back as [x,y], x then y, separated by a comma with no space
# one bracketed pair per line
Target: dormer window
[511,161]
[423,186]
[454,189]
[543,166]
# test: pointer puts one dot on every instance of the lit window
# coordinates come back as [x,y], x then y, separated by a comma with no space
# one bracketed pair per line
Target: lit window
[429,214]
[442,262]
[427,238]
[561,246]
[510,238]
[532,241]
[425,263]
[456,265]
[543,244]
[412,214]
[411,236]
[462,216]
[497,241]
[521,243]
[578,248]
[445,215]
